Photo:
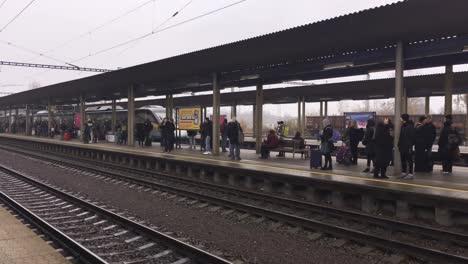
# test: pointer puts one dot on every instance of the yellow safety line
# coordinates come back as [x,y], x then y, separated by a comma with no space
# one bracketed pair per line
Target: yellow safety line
[273,167]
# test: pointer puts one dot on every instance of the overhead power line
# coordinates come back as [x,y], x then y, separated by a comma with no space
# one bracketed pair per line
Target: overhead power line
[153,32]
[17,15]
[1,5]
[52,67]
[66,43]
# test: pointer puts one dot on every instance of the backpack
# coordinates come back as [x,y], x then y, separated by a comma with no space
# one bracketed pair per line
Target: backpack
[336,136]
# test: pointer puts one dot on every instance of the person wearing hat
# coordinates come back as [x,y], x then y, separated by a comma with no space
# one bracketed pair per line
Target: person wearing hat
[405,144]
[449,142]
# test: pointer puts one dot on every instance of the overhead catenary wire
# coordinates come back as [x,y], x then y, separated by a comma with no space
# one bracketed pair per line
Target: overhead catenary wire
[153,28]
[88,32]
[153,32]
[1,5]
[17,15]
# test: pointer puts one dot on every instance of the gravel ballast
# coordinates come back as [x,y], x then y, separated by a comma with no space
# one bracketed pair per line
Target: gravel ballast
[237,239]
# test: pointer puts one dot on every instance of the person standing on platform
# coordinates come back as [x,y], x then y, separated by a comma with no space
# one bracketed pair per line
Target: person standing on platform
[271,142]
[383,149]
[368,141]
[87,131]
[203,135]
[191,134]
[147,127]
[209,135]
[169,130]
[95,131]
[353,136]
[162,128]
[326,144]
[449,142]
[224,136]
[420,158]
[236,136]
[430,135]
[405,145]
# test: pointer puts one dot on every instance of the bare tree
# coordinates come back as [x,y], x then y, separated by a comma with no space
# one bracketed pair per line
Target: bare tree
[460,104]
[416,106]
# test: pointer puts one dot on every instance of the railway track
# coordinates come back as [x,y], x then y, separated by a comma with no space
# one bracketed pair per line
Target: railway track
[421,242]
[89,232]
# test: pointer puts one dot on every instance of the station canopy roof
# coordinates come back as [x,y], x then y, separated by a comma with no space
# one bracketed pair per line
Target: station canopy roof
[434,32]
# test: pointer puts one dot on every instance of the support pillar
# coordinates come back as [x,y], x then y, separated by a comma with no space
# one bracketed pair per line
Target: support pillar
[216,113]
[9,121]
[259,119]
[399,71]
[16,120]
[27,131]
[303,115]
[131,116]
[169,106]
[321,109]
[114,116]
[82,116]
[234,110]
[326,108]
[404,101]
[466,118]
[49,116]
[448,88]
[427,105]
[254,119]
[299,114]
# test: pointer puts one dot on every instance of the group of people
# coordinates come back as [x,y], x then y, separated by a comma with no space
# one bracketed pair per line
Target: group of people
[415,143]
[231,134]
[168,138]
[143,133]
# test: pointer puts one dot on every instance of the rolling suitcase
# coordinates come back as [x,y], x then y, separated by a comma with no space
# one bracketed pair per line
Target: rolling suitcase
[315,158]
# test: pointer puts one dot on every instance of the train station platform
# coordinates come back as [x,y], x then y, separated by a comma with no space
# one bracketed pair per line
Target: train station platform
[20,245]
[458,182]
[429,196]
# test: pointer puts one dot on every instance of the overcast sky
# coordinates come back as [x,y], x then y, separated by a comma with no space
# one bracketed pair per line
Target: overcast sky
[48,24]
[70,31]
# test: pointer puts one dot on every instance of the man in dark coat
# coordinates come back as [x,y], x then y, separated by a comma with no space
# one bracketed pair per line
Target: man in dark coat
[147,127]
[429,138]
[224,137]
[208,127]
[169,129]
[234,131]
[420,160]
[368,141]
[383,148]
[449,142]
[405,145]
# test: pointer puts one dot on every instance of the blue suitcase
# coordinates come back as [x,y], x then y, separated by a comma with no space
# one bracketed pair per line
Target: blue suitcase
[315,158]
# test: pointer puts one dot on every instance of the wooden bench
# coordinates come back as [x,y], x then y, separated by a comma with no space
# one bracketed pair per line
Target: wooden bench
[292,146]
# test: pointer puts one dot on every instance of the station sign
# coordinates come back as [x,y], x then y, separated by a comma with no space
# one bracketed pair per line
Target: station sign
[360,117]
[189,118]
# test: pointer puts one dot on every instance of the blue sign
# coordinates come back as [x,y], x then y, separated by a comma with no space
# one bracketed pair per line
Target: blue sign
[360,117]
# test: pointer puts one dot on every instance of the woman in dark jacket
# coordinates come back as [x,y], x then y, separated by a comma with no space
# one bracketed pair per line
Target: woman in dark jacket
[169,129]
[354,137]
[271,143]
[368,141]
[449,141]
[383,149]
[326,145]
[420,159]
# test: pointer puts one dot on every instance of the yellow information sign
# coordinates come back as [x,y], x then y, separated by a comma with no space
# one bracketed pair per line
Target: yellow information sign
[189,118]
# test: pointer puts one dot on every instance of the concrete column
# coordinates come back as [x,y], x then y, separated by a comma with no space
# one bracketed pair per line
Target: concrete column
[131,116]
[234,110]
[448,88]
[254,119]
[49,116]
[466,118]
[9,120]
[326,108]
[27,131]
[303,115]
[82,115]
[321,109]
[427,105]
[259,119]
[404,102]
[169,106]
[216,113]
[299,114]
[114,116]
[399,71]
[16,119]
